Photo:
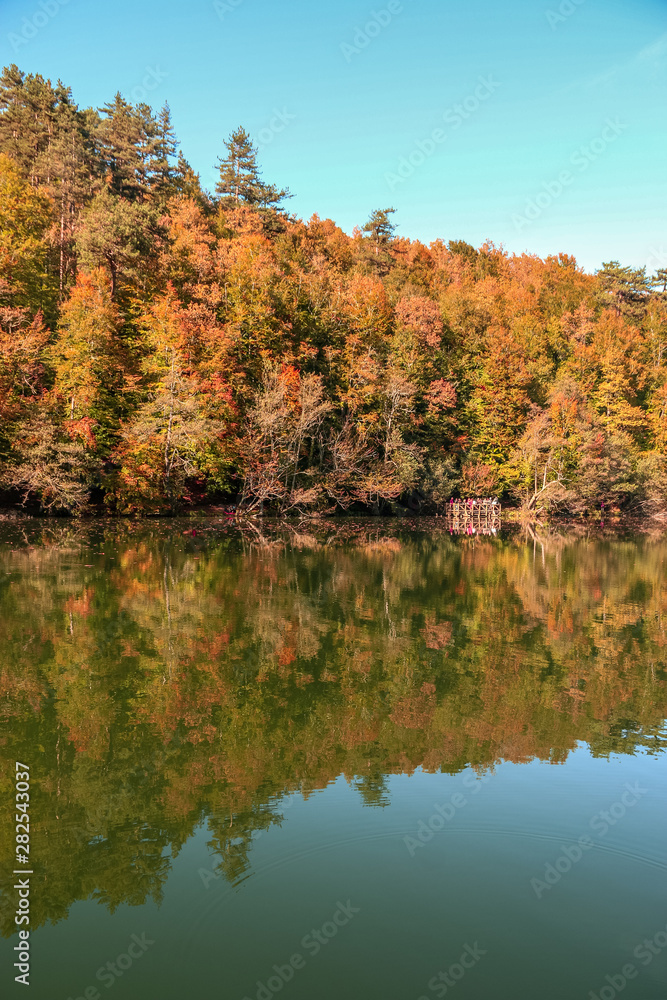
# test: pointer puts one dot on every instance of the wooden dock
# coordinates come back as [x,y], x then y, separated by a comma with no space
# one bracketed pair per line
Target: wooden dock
[471,516]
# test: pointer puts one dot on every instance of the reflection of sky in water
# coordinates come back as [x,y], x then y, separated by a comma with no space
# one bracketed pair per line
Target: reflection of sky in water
[472,882]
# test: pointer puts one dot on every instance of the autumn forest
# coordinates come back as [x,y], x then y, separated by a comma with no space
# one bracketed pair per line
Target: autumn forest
[162,346]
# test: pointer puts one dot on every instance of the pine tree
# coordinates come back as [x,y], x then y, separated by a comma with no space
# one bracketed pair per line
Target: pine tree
[27,110]
[463,250]
[188,184]
[163,173]
[624,289]
[68,170]
[125,139]
[380,231]
[380,228]
[659,282]
[119,235]
[240,180]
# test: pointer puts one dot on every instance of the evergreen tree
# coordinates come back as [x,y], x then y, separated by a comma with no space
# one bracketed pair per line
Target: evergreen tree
[125,137]
[68,169]
[380,231]
[380,228]
[163,173]
[659,282]
[188,184]
[119,235]
[463,250]
[240,180]
[624,289]
[27,111]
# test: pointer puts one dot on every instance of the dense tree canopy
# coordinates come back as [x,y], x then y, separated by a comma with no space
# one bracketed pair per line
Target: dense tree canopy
[283,363]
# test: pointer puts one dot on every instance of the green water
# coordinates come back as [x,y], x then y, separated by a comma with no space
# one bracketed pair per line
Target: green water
[370,761]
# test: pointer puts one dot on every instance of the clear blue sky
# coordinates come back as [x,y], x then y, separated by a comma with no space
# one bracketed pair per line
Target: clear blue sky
[351,117]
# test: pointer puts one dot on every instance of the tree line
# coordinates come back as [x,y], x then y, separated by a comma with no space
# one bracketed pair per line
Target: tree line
[163,346]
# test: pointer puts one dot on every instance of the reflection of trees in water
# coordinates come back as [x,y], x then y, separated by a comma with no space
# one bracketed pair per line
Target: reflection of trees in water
[183,678]
[373,789]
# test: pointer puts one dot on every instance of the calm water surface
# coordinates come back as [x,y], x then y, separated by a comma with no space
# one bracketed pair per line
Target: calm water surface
[364,762]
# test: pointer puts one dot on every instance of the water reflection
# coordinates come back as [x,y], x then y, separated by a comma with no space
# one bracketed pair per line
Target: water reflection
[160,677]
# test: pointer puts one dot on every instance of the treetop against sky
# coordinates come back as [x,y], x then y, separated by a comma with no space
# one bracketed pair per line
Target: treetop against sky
[535,124]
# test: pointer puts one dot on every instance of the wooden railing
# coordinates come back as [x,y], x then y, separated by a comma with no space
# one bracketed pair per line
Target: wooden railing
[469,515]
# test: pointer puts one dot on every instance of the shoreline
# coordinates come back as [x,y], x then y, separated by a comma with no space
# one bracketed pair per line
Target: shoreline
[513,522]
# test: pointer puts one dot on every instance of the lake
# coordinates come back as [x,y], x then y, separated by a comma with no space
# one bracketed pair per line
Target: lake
[364,759]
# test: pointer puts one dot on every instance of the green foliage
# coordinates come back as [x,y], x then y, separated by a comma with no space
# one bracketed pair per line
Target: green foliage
[625,289]
[379,227]
[26,287]
[119,235]
[240,179]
